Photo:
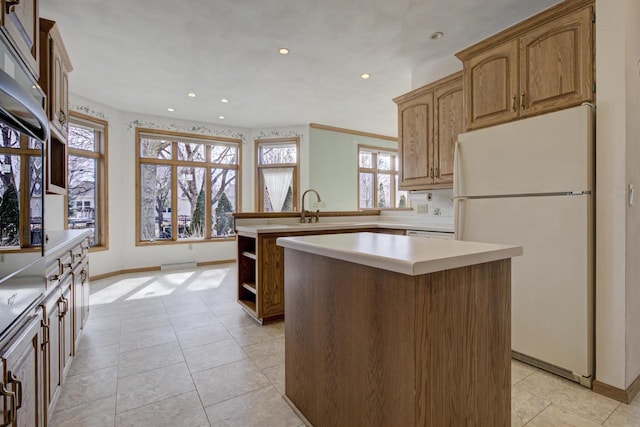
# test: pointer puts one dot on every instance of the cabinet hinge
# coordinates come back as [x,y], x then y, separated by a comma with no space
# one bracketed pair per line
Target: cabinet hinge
[593,88]
[593,17]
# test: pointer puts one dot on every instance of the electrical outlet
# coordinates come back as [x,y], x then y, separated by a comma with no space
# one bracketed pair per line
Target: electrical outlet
[422,208]
[2,258]
[190,247]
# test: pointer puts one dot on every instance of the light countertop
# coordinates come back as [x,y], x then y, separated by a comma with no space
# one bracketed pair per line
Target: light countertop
[402,254]
[339,225]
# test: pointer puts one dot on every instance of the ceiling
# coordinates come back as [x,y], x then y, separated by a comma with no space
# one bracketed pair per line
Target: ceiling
[144,56]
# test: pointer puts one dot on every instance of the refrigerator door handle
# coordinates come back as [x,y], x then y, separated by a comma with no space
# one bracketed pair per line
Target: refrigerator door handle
[457,218]
[456,170]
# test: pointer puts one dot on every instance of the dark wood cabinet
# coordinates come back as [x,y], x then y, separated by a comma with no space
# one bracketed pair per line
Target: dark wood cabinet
[542,64]
[21,27]
[429,121]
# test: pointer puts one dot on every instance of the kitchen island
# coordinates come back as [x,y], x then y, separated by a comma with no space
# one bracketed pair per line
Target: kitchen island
[397,330]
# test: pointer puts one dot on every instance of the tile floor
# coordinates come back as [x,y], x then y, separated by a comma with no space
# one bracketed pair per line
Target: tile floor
[174,349]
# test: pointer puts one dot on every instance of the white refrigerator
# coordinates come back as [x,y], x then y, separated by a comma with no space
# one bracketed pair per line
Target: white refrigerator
[531,183]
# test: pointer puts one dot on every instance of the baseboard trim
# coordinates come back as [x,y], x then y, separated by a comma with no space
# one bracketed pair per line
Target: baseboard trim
[624,396]
[154,268]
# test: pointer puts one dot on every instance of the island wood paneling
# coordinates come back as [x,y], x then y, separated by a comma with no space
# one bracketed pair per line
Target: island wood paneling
[370,347]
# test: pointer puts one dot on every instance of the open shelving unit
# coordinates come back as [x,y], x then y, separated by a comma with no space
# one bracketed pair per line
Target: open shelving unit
[247,273]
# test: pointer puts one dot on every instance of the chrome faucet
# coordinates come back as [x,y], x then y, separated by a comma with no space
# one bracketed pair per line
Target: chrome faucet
[303,214]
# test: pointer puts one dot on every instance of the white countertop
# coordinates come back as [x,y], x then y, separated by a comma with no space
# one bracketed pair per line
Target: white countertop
[402,254]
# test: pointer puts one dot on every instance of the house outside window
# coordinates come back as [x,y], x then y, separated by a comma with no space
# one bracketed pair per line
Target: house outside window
[186,186]
[87,177]
[277,174]
[378,179]
[21,175]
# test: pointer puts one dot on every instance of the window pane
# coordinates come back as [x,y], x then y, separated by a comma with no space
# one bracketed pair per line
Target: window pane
[155,202]
[366,190]
[82,138]
[82,194]
[191,202]
[402,197]
[191,152]
[35,200]
[224,195]
[366,159]
[9,137]
[278,189]
[384,161]
[155,148]
[274,154]
[10,200]
[224,154]
[384,191]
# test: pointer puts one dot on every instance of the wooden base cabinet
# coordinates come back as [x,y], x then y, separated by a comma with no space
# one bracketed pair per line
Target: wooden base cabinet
[542,64]
[429,121]
[22,385]
[51,348]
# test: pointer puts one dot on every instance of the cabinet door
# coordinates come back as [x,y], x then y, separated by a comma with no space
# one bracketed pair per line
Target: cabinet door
[415,129]
[55,95]
[20,24]
[86,290]
[22,368]
[491,83]
[79,277]
[270,278]
[52,345]
[556,64]
[66,326]
[449,122]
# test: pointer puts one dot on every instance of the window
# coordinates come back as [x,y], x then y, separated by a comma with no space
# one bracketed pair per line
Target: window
[277,179]
[186,186]
[21,175]
[87,177]
[378,179]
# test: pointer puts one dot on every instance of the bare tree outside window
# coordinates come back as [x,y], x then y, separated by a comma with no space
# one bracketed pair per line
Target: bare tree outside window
[183,178]
[378,179]
[86,180]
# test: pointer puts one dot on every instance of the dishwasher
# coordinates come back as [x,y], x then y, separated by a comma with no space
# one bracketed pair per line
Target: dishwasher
[431,234]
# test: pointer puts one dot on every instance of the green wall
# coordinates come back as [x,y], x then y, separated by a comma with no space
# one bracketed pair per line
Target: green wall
[333,167]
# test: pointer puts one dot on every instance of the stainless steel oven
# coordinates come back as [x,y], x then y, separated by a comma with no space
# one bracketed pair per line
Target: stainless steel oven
[23,132]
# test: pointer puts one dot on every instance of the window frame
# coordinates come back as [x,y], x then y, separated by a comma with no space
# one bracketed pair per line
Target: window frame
[102,175]
[175,164]
[25,153]
[259,193]
[375,171]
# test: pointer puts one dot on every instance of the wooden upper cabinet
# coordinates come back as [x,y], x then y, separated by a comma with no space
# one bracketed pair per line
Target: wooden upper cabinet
[416,141]
[20,25]
[542,64]
[449,123]
[55,67]
[556,63]
[491,79]
[429,121]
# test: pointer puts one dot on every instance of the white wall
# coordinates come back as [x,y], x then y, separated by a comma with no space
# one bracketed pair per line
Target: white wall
[428,73]
[333,166]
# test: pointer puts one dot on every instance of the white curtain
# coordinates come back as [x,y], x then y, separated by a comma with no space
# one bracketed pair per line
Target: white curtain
[277,181]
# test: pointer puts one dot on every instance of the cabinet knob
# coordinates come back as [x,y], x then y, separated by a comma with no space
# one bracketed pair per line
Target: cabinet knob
[437,172]
[522,101]
[513,104]
[431,172]
[10,6]
[63,118]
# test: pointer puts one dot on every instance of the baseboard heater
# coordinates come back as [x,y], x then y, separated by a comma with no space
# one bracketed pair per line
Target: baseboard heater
[585,381]
[178,266]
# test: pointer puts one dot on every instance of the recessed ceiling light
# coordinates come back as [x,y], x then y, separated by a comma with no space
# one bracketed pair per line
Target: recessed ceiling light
[283,51]
[437,35]
[170,109]
[365,75]
[221,117]
[224,100]
[191,95]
